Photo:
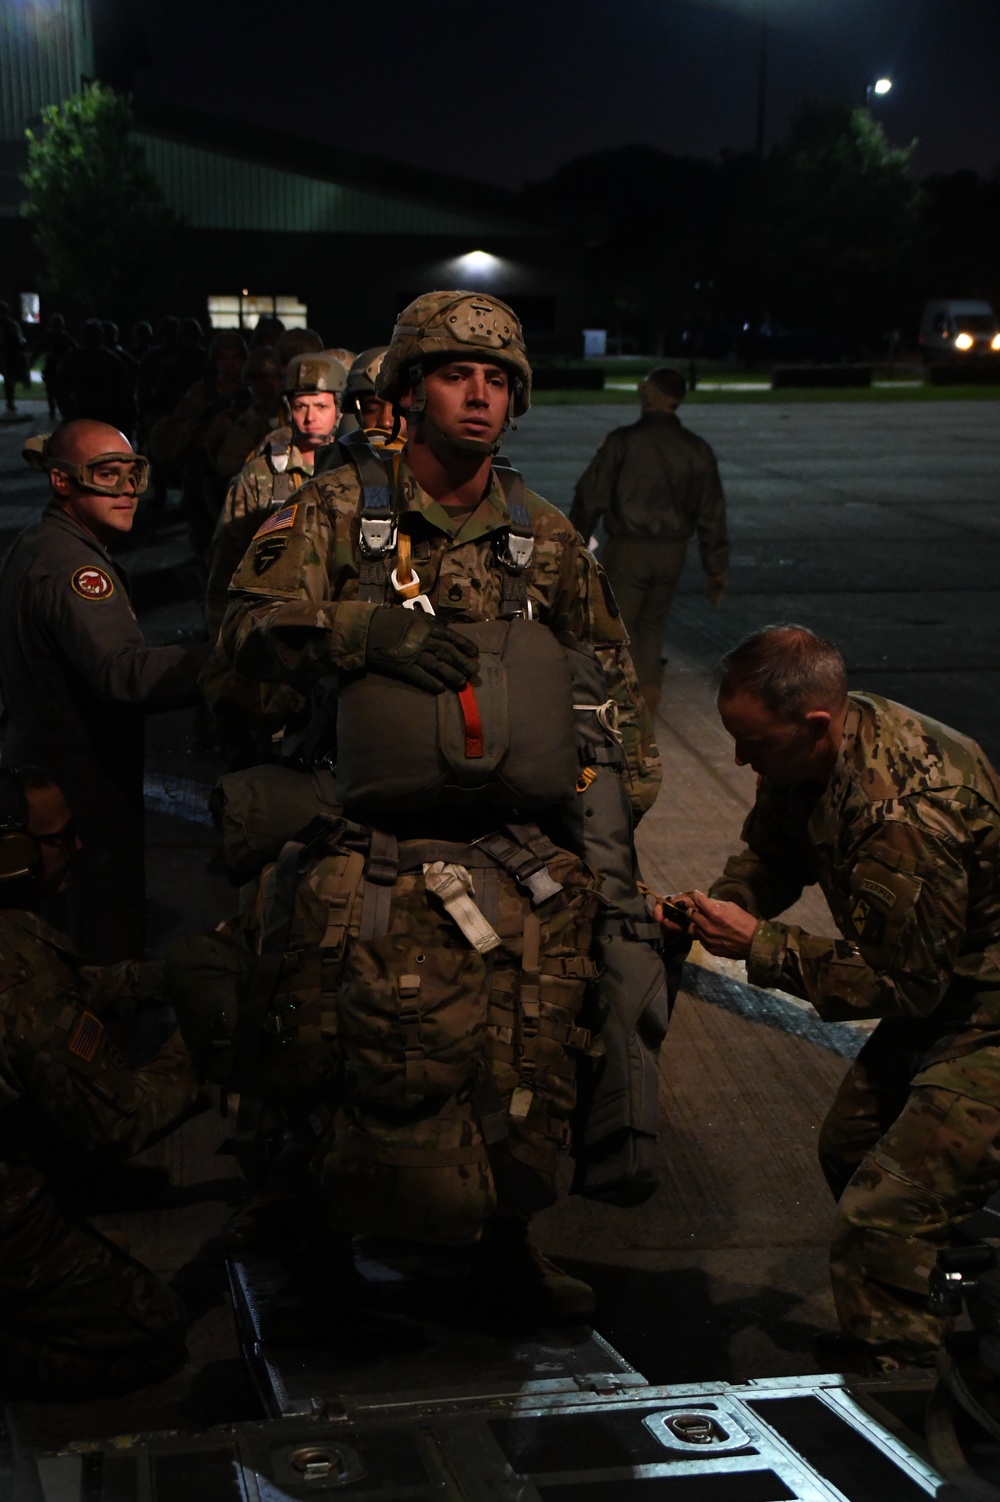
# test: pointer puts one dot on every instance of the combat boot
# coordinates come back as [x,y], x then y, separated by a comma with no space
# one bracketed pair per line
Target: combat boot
[506,1270]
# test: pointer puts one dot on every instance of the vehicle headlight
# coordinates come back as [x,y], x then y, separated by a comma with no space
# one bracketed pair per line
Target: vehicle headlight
[995,342]
[964,341]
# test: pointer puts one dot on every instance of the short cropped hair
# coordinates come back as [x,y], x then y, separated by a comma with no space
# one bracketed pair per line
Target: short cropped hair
[668,381]
[787,667]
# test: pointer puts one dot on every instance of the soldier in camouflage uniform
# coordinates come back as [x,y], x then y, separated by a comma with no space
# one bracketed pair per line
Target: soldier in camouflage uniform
[253,413]
[304,608]
[360,406]
[311,385]
[77,1315]
[897,818]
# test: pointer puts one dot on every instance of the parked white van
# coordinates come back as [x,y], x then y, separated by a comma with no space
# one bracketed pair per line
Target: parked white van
[958,329]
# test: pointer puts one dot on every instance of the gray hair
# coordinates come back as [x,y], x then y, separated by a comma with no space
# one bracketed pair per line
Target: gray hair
[787,667]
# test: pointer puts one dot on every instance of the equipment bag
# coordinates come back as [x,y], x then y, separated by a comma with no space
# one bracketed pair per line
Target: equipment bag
[429,1074]
[258,809]
[506,743]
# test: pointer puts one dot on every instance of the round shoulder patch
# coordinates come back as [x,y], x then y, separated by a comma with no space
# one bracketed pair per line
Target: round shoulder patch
[93,583]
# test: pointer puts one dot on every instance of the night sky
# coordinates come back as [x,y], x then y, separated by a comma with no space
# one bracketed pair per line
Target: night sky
[507,92]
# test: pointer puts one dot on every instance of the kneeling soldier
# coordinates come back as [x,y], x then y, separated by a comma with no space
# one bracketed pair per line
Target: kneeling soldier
[897,818]
[78,1317]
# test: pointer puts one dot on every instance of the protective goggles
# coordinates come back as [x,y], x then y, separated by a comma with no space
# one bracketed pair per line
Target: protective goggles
[104,474]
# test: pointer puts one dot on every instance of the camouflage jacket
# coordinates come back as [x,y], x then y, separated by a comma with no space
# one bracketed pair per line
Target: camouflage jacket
[904,842]
[295,616]
[267,480]
[57,1058]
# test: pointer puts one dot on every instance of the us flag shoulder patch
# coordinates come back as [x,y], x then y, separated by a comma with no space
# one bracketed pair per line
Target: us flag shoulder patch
[276,523]
[86,1038]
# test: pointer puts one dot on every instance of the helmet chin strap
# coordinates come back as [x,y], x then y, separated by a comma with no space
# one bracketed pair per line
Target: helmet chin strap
[467,448]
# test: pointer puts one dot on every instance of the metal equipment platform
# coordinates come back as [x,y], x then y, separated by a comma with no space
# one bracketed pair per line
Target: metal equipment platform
[439,1412]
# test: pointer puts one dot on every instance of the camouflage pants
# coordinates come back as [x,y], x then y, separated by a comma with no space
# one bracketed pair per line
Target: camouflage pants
[908,1152]
[78,1318]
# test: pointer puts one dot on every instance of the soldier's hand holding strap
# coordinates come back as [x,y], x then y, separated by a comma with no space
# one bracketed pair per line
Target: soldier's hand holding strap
[724,928]
[419,649]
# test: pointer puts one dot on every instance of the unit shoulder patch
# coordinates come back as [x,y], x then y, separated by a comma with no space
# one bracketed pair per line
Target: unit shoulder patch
[268,552]
[279,521]
[92,583]
[86,1037]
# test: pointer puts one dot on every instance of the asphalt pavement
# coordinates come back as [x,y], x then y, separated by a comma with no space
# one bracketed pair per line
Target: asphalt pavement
[874,524]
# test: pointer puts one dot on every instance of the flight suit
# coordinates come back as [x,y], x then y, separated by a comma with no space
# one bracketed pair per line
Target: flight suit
[77,1315]
[77,679]
[655,484]
[904,843]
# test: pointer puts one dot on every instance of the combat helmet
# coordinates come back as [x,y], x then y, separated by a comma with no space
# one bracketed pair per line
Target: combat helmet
[363,373]
[454,323]
[261,360]
[314,372]
[297,342]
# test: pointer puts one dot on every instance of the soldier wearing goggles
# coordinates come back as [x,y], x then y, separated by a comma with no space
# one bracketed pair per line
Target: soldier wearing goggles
[77,677]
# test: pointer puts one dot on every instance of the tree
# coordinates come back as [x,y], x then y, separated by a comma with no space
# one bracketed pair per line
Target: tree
[658,226]
[100,221]
[841,227]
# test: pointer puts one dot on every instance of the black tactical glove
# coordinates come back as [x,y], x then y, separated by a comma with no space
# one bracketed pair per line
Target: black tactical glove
[419,649]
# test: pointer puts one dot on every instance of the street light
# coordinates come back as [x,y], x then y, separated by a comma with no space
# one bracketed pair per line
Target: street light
[879,88]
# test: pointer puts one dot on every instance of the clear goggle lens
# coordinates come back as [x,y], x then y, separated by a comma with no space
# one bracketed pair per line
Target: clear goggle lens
[108,474]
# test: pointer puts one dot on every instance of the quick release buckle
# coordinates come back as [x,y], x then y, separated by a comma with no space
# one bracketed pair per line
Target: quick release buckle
[517,551]
[377,537]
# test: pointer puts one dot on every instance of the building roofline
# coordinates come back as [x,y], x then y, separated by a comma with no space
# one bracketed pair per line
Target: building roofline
[311,158]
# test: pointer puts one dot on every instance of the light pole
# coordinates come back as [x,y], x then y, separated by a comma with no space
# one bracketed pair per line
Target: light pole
[754,310]
[762,85]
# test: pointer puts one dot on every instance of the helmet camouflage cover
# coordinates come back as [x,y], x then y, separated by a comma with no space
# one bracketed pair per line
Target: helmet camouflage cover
[314,372]
[455,323]
[364,371]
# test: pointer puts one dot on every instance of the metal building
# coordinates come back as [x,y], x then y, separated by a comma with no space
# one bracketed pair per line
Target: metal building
[323,236]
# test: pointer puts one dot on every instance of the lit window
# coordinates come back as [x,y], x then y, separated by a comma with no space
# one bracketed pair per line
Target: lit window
[242,310]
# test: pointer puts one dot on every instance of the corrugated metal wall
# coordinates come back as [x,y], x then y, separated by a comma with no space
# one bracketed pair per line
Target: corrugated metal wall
[215,191]
[46,46]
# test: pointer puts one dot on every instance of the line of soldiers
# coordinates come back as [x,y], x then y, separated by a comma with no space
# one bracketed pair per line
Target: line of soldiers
[444,974]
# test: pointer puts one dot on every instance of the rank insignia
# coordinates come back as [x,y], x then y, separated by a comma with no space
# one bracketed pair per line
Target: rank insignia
[268,552]
[92,583]
[86,1038]
[279,521]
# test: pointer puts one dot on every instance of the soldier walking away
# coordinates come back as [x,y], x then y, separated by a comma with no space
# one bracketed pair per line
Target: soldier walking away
[897,818]
[13,362]
[77,678]
[453,930]
[78,1316]
[655,484]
